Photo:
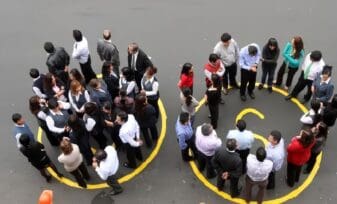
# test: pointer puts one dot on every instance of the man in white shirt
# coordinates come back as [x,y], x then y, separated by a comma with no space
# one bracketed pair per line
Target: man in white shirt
[275,153]
[206,142]
[311,69]
[244,139]
[81,53]
[106,165]
[228,50]
[258,169]
[129,134]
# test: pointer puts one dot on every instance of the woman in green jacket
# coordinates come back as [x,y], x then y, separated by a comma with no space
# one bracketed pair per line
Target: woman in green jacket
[293,54]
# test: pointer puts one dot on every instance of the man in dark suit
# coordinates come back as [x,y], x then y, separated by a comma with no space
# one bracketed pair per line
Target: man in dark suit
[228,165]
[57,61]
[138,61]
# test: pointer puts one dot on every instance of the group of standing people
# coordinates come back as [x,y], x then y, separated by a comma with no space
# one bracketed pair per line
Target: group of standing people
[230,161]
[74,108]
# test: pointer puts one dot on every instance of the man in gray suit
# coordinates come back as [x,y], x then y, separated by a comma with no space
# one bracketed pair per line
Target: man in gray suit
[107,51]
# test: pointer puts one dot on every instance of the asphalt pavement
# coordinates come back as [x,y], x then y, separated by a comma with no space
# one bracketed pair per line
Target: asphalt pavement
[172,33]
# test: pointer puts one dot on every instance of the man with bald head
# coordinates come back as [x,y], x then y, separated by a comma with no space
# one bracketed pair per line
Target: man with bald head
[108,51]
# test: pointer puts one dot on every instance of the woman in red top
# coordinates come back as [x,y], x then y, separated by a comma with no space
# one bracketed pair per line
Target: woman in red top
[299,151]
[186,77]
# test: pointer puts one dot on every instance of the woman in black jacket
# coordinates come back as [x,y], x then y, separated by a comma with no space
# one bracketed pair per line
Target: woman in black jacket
[53,87]
[270,54]
[213,98]
[111,79]
[94,123]
[80,136]
[37,156]
[145,115]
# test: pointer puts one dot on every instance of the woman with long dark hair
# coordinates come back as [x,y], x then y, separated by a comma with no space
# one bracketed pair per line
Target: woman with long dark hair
[293,54]
[299,151]
[94,123]
[145,115]
[111,79]
[127,82]
[53,87]
[80,136]
[312,117]
[38,108]
[186,77]
[270,54]
[37,156]
[188,103]
[213,98]
[75,74]
[321,134]
[150,88]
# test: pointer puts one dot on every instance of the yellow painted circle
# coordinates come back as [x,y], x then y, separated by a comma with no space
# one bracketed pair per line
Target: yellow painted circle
[126,177]
[293,194]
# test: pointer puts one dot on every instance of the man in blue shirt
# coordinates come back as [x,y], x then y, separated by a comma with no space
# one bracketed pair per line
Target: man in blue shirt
[244,139]
[185,136]
[21,128]
[249,59]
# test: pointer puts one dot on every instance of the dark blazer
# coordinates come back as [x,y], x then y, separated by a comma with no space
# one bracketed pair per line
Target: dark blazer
[36,155]
[57,60]
[225,161]
[146,118]
[142,61]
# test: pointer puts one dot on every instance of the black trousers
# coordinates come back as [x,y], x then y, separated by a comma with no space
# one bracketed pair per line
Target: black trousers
[115,136]
[100,139]
[214,111]
[113,183]
[300,85]
[154,103]
[280,73]
[271,180]
[87,71]
[206,161]
[243,155]
[80,174]
[190,145]
[293,174]
[138,79]
[311,162]
[85,148]
[132,153]
[154,134]
[229,75]
[247,77]
[268,70]
[233,185]
[50,136]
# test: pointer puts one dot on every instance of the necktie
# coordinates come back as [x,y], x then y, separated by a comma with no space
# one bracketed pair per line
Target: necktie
[307,71]
[133,62]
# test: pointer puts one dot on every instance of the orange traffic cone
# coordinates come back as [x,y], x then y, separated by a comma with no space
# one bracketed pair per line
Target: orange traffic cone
[46,197]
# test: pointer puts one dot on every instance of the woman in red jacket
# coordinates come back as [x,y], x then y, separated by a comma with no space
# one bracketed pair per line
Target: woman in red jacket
[299,151]
[186,77]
